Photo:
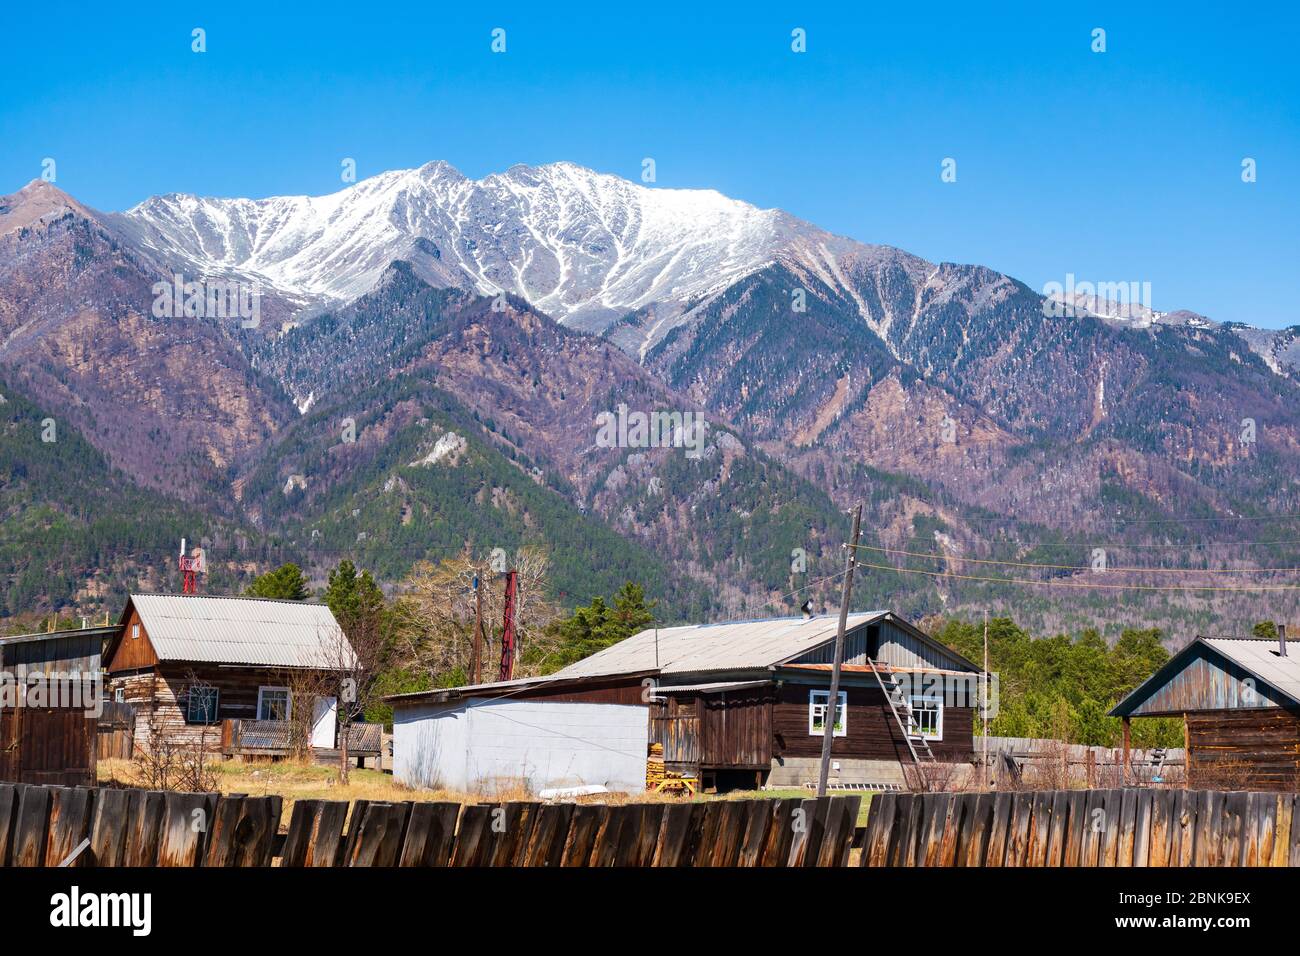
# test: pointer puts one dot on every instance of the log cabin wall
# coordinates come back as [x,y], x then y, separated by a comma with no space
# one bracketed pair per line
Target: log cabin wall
[160,696]
[1247,749]
[870,732]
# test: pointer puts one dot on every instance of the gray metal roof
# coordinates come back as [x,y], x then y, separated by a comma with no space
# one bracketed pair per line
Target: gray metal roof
[1260,656]
[235,630]
[469,689]
[1256,655]
[103,630]
[702,648]
[711,688]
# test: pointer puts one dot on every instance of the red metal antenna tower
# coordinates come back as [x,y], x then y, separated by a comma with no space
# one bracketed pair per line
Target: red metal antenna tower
[191,567]
[508,634]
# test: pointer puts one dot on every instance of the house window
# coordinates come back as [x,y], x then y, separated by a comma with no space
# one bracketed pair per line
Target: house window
[273,703]
[119,695]
[817,705]
[201,705]
[135,630]
[926,718]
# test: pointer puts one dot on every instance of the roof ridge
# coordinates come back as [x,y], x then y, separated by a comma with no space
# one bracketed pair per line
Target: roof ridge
[229,597]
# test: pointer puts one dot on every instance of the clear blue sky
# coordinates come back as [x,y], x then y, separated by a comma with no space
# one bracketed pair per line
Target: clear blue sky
[1118,166]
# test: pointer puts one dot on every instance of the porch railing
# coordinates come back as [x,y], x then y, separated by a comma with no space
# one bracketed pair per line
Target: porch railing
[275,737]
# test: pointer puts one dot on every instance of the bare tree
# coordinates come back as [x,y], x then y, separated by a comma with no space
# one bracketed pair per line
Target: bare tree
[169,762]
[435,630]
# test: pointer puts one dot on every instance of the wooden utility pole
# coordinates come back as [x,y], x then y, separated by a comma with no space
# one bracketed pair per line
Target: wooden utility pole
[984,698]
[833,698]
[475,660]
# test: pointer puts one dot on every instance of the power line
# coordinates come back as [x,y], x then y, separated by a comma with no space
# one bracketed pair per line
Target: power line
[1071,567]
[1087,586]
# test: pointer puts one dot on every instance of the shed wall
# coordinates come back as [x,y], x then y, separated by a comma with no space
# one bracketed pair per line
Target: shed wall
[486,745]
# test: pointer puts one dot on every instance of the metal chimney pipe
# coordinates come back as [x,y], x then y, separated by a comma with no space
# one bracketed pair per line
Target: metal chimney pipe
[1281,640]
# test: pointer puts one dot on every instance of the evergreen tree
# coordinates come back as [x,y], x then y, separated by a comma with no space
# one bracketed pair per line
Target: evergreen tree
[598,625]
[352,596]
[286,582]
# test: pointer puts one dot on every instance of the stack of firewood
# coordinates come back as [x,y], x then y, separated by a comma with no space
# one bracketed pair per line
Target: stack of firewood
[654,767]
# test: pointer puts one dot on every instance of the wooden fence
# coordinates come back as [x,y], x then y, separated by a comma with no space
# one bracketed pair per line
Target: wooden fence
[48,826]
[1127,827]
[1046,763]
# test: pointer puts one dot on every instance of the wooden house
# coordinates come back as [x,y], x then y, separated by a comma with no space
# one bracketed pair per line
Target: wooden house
[228,673]
[51,696]
[1239,702]
[737,704]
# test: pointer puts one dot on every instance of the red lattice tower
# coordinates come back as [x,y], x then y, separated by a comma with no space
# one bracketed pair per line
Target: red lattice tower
[192,566]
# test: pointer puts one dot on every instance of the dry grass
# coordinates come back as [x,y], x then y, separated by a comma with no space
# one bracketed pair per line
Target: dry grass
[301,780]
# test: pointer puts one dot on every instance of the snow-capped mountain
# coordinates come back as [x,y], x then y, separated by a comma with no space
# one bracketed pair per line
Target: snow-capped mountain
[585,247]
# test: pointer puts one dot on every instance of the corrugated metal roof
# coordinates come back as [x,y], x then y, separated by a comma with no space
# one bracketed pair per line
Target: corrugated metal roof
[1257,656]
[229,630]
[1260,656]
[469,689]
[701,648]
[105,630]
[711,688]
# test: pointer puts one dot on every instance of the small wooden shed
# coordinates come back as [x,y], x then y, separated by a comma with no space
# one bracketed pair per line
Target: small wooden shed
[1239,700]
[51,694]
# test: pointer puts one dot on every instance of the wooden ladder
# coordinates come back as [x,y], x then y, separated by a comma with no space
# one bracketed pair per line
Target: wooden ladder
[902,710]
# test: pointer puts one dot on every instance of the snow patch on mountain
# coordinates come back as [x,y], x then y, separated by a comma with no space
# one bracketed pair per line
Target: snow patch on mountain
[584,247]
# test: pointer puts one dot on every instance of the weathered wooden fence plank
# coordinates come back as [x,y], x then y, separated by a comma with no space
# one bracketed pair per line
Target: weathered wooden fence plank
[1040,829]
[546,839]
[1018,831]
[1058,832]
[582,836]
[70,817]
[776,850]
[144,820]
[430,833]
[9,801]
[243,831]
[472,834]
[182,836]
[628,838]
[315,838]
[1143,803]
[880,825]
[108,829]
[758,820]
[837,840]
[32,825]
[1293,841]
[1281,829]
[677,833]
[995,850]
[1162,804]
[510,827]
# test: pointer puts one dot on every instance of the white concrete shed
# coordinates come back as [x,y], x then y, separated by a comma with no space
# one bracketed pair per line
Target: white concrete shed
[487,745]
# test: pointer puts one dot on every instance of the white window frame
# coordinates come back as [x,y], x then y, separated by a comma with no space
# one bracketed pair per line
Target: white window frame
[119,695]
[135,631]
[818,708]
[930,704]
[216,706]
[288,702]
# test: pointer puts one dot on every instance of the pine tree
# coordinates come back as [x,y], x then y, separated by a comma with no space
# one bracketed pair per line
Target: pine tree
[286,582]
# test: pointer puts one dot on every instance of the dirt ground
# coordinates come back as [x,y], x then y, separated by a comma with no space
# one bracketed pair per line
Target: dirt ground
[293,780]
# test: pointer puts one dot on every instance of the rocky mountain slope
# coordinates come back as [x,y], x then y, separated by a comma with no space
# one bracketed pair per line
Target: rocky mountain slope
[496,321]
